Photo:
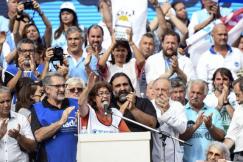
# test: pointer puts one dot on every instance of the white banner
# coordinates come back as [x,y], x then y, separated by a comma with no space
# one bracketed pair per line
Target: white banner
[137,12]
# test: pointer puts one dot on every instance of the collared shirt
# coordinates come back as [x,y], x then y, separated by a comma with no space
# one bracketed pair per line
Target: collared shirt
[9,148]
[211,60]
[173,122]
[211,100]
[235,131]
[77,67]
[201,138]
[201,15]
[51,150]
[156,65]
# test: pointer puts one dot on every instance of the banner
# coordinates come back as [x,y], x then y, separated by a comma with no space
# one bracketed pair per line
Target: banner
[136,10]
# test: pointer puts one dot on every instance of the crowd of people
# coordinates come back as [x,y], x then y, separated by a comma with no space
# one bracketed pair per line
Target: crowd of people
[74,78]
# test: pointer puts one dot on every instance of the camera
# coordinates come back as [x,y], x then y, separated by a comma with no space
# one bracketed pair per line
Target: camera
[58,55]
[27,62]
[28,5]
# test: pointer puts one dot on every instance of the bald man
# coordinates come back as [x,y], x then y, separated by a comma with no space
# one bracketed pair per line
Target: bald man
[219,55]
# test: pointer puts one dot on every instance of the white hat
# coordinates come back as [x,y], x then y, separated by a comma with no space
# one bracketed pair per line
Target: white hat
[68,5]
[216,1]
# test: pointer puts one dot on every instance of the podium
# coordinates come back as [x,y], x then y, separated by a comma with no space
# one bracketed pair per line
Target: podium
[114,147]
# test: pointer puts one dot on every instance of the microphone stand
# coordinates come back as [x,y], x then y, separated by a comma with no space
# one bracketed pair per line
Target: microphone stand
[163,134]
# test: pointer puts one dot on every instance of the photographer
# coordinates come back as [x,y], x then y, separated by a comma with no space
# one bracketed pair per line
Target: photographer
[55,61]
[30,30]
[122,61]
[24,65]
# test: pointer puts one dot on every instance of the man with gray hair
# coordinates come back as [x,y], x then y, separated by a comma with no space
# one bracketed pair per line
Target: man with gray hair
[172,119]
[80,62]
[53,122]
[16,138]
[204,123]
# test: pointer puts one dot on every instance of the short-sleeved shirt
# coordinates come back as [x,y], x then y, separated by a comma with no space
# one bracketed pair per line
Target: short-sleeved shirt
[77,67]
[201,138]
[51,149]
[212,101]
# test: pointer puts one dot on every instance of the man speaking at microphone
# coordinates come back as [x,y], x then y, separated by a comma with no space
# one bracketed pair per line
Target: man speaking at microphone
[135,108]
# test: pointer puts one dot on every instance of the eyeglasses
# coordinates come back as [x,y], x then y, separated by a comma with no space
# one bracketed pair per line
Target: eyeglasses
[75,89]
[7,101]
[58,86]
[100,94]
[26,50]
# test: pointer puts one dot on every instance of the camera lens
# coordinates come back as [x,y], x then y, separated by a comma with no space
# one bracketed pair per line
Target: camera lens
[26,62]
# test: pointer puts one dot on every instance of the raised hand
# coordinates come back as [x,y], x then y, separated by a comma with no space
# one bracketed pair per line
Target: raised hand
[208,120]
[129,35]
[14,133]
[65,114]
[199,120]
[21,63]
[49,54]
[154,2]
[131,98]
[20,8]
[88,59]
[163,102]
[3,128]
[174,64]
[91,81]
[36,5]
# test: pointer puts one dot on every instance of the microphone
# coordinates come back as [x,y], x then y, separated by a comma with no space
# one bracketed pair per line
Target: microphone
[106,107]
[123,98]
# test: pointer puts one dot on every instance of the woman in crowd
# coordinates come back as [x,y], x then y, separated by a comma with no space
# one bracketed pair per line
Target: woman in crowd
[74,87]
[94,104]
[31,31]
[29,93]
[122,61]
[68,17]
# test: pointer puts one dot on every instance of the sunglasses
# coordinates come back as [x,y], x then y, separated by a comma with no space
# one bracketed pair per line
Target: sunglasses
[75,89]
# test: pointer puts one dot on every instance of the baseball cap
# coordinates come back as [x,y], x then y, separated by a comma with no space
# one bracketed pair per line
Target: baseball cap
[68,5]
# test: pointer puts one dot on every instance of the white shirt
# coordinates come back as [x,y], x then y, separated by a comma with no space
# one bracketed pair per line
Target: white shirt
[212,101]
[129,69]
[95,126]
[201,15]
[173,122]
[210,61]
[9,148]
[235,131]
[155,66]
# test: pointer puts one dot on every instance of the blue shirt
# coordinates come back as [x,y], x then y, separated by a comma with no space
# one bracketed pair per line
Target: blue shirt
[61,147]
[77,68]
[201,138]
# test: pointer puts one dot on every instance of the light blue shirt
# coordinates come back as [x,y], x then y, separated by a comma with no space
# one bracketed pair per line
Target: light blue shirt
[201,138]
[77,68]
